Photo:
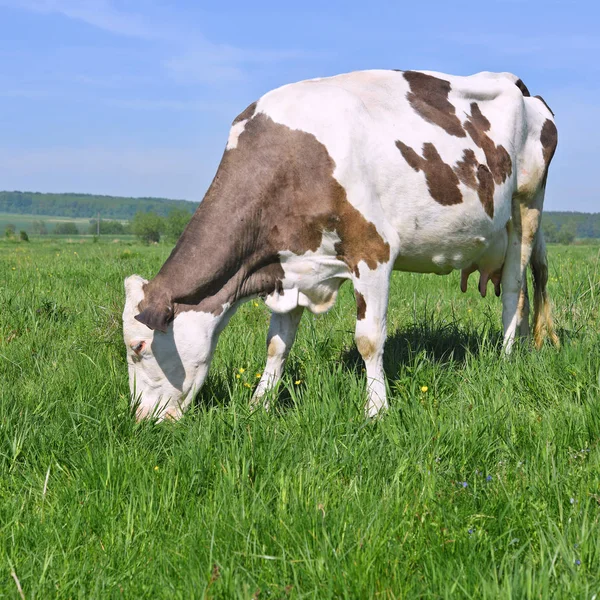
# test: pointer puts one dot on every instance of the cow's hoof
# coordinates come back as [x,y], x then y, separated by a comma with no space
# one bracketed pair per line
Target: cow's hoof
[375,410]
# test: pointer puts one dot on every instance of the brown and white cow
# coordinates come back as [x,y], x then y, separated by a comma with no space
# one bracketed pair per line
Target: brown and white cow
[349,178]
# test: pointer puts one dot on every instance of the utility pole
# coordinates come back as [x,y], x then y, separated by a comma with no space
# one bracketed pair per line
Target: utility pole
[98,224]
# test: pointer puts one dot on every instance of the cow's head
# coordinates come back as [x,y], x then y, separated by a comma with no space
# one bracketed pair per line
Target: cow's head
[166,368]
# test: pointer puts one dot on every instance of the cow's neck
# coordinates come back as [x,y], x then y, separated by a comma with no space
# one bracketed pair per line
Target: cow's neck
[222,255]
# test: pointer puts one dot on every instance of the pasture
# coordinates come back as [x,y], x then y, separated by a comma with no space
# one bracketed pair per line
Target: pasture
[482,481]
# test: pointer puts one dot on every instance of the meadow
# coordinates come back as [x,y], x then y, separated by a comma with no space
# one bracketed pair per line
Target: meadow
[482,481]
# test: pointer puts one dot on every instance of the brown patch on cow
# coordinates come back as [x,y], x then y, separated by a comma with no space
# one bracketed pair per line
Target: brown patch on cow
[365,346]
[429,98]
[272,349]
[442,181]
[246,114]
[485,189]
[549,139]
[545,104]
[274,192]
[465,168]
[519,83]
[477,177]
[156,314]
[361,306]
[497,158]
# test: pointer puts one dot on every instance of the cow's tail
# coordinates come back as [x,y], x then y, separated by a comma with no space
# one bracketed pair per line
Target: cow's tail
[542,317]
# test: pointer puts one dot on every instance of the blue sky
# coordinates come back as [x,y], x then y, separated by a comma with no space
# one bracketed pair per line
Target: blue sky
[135,97]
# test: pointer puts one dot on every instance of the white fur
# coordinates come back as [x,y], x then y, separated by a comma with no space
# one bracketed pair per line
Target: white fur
[173,365]
[234,134]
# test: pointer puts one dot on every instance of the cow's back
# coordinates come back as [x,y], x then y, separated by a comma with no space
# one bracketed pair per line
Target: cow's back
[430,159]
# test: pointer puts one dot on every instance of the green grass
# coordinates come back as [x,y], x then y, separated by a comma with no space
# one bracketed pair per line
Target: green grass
[309,500]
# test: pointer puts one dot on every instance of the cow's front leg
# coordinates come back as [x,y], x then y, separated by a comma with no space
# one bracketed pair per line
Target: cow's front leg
[371,292]
[282,332]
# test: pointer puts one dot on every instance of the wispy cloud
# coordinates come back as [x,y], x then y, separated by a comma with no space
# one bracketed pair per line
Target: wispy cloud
[99,13]
[192,58]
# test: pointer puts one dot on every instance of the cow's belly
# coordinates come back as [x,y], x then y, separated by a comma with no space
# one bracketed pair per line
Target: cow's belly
[443,249]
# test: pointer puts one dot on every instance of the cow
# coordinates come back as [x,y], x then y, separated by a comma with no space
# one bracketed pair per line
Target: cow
[349,178]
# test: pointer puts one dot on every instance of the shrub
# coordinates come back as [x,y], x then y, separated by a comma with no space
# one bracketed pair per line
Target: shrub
[68,228]
[176,222]
[107,227]
[147,226]
[40,228]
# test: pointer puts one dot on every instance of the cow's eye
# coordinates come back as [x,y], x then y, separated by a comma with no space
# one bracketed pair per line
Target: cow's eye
[138,347]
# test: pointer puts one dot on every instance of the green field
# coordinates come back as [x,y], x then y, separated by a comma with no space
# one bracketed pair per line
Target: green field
[482,481]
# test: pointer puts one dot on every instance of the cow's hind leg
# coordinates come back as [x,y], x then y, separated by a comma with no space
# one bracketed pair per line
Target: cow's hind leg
[521,235]
[372,290]
[542,317]
[523,307]
[282,332]
[524,236]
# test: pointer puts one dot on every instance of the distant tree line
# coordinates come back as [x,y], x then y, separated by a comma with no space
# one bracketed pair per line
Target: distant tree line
[104,227]
[168,217]
[564,227]
[148,226]
[87,205]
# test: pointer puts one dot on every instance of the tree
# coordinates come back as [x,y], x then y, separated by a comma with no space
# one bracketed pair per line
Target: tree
[550,231]
[567,233]
[67,228]
[107,227]
[10,230]
[176,222]
[147,226]
[39,227]
[23,236]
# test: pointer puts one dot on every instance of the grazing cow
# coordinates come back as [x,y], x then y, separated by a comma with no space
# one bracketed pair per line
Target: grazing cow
[348,178]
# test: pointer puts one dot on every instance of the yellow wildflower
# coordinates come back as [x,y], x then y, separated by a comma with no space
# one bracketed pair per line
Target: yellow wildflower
[241,370]
[424,388]
[298,382]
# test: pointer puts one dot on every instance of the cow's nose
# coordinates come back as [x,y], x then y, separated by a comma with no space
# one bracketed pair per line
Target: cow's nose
[172,414]
[142,413]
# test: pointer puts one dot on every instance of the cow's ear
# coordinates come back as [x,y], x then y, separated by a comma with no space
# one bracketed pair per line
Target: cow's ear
[134,287]
[156,318]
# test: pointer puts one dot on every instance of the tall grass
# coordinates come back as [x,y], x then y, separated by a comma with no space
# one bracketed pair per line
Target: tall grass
[483,480]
